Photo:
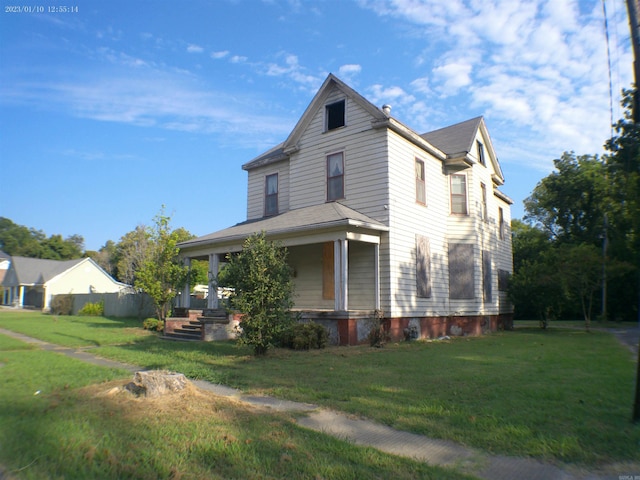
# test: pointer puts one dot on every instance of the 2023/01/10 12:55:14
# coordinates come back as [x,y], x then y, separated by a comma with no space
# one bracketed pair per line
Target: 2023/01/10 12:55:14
[62,9]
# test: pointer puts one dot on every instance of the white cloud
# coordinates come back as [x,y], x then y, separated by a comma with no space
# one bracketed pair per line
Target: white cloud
[536,67]
[349,71]
[194,48]
[238,59]
[219,54]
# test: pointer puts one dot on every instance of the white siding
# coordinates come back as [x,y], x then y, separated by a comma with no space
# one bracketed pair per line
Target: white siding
[408,218]
[256,185]
[306,262]
[364,162]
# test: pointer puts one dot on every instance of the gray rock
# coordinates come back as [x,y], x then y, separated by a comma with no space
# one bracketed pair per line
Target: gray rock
[155,383]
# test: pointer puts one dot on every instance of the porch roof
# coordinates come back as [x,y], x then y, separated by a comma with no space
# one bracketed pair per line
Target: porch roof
[317,217]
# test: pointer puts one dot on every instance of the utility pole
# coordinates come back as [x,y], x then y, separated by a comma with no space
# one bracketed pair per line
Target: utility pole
[633,7]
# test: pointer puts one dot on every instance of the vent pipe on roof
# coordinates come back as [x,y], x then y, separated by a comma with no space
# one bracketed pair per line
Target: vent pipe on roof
[386,109]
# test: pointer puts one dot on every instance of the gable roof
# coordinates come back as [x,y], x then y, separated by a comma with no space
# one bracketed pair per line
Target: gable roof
[316,217]
[4,256]
[282,151]
[456,138]
[38,271]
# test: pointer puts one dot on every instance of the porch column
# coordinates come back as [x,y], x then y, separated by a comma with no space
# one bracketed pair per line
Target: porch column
[376,273]
[341,275]
[214,266]
[21,296]
[186,292]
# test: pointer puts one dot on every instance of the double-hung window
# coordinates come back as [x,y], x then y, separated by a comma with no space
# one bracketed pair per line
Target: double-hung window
[271,195]
[421,194]
[335,176]
[485,212]
[459,194]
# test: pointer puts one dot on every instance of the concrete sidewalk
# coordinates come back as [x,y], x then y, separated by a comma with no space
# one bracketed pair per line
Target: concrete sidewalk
[367,433]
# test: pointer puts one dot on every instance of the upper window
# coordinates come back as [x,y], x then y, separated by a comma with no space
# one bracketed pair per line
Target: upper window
[480,147]
[485,213]
[421,195]
[335,176]
[271,195]
[459,194]
[335,115]
[500,223]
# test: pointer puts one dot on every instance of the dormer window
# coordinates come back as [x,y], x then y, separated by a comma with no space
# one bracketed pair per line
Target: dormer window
[335,115]
[271,195]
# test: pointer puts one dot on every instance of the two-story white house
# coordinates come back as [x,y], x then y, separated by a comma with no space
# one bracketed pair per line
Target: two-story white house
[380,220]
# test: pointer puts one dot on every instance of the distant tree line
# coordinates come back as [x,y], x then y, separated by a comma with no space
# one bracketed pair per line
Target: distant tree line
[21,241]
[122,260]
[577,250]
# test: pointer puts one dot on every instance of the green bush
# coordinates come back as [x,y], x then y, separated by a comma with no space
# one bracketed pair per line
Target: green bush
[62,305]
[153,324]
[305,336]
[93,309]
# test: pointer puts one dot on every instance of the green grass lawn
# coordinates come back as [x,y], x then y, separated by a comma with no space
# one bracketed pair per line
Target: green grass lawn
[60,420]
[560,394]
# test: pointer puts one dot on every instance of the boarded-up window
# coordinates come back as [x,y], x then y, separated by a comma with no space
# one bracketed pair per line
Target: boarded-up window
[423,266]
[461,271]
[486,275]
[328,279]
[503,280]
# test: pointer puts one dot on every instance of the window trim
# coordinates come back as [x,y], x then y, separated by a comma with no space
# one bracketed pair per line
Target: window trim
[458,195]
[484,206]
[327,109]
[420,181]
[267,194]
[330,177]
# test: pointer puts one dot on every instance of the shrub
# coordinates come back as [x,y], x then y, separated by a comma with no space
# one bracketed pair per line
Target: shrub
[62,305]
[263,292]
[305,336]
[153,324]
[93,309]
[379,334]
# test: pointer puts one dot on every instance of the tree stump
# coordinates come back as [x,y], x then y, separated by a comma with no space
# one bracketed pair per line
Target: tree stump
[156,383]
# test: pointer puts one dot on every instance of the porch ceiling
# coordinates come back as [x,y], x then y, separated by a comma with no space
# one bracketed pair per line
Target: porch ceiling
[294,223]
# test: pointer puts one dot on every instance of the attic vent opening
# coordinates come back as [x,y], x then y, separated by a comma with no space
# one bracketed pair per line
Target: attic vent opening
[335,115]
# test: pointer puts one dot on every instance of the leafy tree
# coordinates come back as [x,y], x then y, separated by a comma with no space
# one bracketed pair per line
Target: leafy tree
[105,257]
[263,293]
[570,203]
[131,253]
[162,274]
[624,174]
[27,242]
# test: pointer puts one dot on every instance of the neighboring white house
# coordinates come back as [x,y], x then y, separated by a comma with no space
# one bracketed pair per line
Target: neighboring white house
[5,262]
[31,282]
[380,220]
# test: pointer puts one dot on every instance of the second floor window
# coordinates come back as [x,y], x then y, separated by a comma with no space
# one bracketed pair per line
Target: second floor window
[485,213]
[421,194]
[271,195]
[459,194]
[335,176]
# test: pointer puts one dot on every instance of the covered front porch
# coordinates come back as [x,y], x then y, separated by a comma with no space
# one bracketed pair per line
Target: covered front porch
[334,254]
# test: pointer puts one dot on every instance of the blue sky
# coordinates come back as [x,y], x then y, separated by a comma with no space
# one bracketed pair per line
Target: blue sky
[114,108]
